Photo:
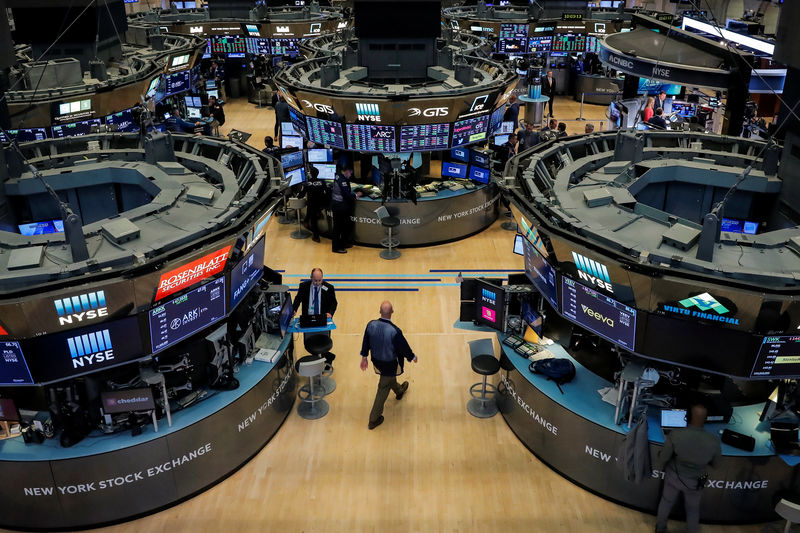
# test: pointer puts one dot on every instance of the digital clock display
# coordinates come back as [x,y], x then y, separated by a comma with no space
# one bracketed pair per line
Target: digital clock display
[571,16]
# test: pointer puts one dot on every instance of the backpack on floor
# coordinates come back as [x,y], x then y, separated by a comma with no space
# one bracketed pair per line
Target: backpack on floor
[557,369]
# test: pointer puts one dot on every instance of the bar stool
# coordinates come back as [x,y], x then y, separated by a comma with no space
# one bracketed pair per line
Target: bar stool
[482,404]
[312,405]
[789,511]
[298,204]
[505,401]
[319,346]
[391,242]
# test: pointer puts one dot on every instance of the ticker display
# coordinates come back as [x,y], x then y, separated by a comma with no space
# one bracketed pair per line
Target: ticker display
[541,274]
[424,137]
[258,46]
[470,130]
[325,132]
[371,138]
[13,368]
[778,357]
[284,47]
[228,44]
[513,39]
[598,313]
[569,43]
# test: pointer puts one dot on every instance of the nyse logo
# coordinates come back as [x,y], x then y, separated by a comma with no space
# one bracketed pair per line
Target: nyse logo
[597,316]
[592,271]
[429,112]
[91,348]
[282,29]
[322,108]
[368,112]
[660,72]
[488,296]
[76,309]
[479,103]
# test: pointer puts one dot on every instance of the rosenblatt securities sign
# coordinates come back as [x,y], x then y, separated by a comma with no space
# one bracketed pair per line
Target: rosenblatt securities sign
[190,273]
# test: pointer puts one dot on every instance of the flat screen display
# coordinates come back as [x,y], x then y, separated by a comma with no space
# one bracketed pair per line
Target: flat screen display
[258,46]
[245,274]
[653,87]
[539,44]
[481,175]
[519,246]
[173,321]
[371,138]
[298,121]
[284,47]
[24,135]
[178,82]
[285,318]
[85,350]
[224,44]
[500,140]
[470,130]
[496,119]
[479,158]
[673,418]
[424,137]
[127,401]
[460,154]
[569,43]
[598,313]
[541,274]
[123,120]
[735,225]
[778,358]
[454,170]
[296,176]
[490,304]
[513,39]
[327,171]
[75,129]
[41,228]
[292,159]
[320,155]
[288,141]
[13,368]
[193,101]
[325,132]
[153,87]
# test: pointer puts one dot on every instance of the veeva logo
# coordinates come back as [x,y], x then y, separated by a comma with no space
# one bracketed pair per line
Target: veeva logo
[597,316]
[76,309]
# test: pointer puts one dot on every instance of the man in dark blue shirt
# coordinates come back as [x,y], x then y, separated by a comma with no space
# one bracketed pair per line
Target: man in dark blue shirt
[343,203]
[389,349]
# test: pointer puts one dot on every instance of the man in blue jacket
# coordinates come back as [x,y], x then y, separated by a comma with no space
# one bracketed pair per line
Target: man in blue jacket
[389,348]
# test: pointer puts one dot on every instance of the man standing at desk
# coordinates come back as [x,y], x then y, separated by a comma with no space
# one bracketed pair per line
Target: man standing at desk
[687,452]
[317,297]
[388,347]
[549,89]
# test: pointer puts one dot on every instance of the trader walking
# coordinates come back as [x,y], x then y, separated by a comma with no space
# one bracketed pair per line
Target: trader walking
[687,452]
[389,348]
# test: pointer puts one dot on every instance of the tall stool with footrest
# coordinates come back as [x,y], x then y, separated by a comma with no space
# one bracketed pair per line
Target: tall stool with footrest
[390,242]
[483,404]
[319,346]
[312,405]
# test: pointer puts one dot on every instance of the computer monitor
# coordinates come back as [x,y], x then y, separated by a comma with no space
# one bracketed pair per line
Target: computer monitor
[193,112]
[673,418]
[296,176]
[518,245]
[460,154]
[320,155]
[41,228]
[211,84]
[290,141]
[481,175]
[500,140]
[454,170]
[327,171]
[287,128]
[490,304]
[292,159]
[213,92]
[480,159]
[507,126]
[285,318]
[8,410]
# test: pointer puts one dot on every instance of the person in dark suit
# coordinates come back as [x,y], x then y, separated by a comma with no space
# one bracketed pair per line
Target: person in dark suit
[317,297]
[549,89]
[343,203]
[657,120]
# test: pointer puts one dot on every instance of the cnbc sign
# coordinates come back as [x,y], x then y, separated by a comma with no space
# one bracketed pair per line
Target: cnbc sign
[703,307]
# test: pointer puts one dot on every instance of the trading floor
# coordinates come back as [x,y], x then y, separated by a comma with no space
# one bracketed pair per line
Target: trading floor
[431,466]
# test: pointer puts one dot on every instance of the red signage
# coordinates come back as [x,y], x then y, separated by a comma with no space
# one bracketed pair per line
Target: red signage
[3,331]
[189,274]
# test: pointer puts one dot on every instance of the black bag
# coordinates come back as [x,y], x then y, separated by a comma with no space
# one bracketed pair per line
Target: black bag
[558,370]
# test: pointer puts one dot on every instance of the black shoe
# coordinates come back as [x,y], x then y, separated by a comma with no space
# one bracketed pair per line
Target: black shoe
[378,422]
[348,245]
[340,251]
[403,389]
[659,530]
[315,238]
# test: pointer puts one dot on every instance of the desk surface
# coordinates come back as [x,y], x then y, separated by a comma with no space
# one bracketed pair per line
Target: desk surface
[440,195]
[97,442]
[581,397]
[294,327]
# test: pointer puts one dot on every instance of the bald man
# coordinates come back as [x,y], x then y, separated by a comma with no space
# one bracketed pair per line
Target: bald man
[686,453]
[389,350]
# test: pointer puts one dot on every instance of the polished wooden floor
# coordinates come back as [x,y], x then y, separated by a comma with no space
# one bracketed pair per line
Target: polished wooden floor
[431,466]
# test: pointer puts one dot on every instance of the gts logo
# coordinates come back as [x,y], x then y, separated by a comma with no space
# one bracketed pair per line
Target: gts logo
[597,316]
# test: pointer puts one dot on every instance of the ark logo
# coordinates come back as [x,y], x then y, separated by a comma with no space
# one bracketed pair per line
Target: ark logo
[592,271]
[91,348]
[488,296]
[80,308]
[704,302]
[597,316]
[368,112]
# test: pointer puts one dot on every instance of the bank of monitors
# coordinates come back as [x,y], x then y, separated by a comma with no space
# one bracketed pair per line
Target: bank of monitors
[537,45]
[225,44]
[569,43]
[246,273]
[513,39]
[292,160]
[325,132]
[42,228]
[735,225]
[371,138]
[13,368]
[296,176]
[177,82]
[75,129]
[598,313]
[541,273]
[284,47]
[187,314]
[320,155]
[23,135]
[289,141]
[490,304]
[424,137]
[298,121]
[327,171]
[460,154]
[123,121]
[470,130]
[258,46]
[454,170]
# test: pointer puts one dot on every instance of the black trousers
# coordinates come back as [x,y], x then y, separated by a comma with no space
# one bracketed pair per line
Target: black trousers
[550,103]
[312,218]
[342,228]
